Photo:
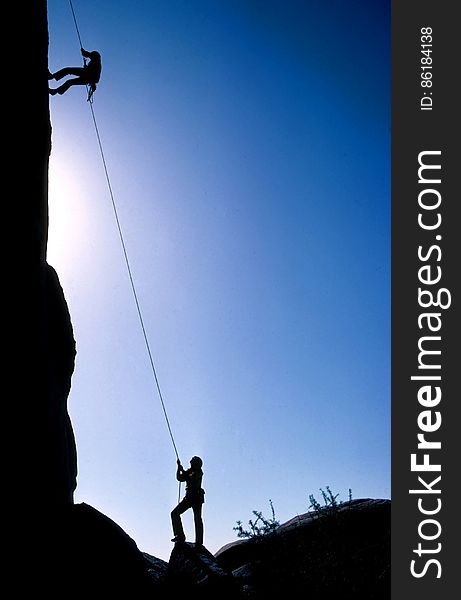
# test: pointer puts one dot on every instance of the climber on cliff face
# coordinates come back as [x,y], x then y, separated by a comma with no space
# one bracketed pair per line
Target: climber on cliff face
[194,498]
[88,75]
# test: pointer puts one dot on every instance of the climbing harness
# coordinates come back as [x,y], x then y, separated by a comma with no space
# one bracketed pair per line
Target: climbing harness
[125,254]
[91,90]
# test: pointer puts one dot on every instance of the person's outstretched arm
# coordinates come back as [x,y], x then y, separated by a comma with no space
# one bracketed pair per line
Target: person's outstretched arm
[85,53]
[180,473]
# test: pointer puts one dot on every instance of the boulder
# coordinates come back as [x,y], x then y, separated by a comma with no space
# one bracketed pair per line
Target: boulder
[156,568]
[195,569]
[245,578]
[82,552]
[343,552]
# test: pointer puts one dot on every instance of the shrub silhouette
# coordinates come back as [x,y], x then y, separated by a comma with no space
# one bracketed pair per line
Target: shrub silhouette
[259,527]
[330,502]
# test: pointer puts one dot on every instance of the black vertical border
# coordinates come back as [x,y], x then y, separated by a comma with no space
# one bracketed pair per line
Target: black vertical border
[413,131]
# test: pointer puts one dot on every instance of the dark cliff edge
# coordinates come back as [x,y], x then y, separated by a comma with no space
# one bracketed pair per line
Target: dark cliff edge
[61,549]
[42,459]
[53,546]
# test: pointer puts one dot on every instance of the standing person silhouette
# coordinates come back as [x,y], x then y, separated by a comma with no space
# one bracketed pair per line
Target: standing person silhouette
[194,498]
[87,75]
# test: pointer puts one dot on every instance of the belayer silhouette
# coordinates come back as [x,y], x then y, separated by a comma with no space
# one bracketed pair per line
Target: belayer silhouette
[86,75]
[194,498]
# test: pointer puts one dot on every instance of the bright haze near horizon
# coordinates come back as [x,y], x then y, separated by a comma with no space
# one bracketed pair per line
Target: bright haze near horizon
[247,144]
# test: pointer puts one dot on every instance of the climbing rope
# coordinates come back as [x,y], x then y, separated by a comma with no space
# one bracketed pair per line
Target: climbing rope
[133,287]
[75,23]
[89,88]
[127,263]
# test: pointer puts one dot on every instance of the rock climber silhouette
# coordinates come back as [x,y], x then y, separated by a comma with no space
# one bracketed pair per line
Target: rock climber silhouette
[86,75]
[194,498]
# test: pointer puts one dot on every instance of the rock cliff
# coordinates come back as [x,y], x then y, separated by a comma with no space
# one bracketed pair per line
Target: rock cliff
[42,466]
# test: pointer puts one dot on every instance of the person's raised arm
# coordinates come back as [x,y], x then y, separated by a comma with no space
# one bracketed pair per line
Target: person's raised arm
[180,474]
[85,53]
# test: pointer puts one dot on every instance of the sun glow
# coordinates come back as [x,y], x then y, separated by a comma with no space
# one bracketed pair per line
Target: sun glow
[68,216]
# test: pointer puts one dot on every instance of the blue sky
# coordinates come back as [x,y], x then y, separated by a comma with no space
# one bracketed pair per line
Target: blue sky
[247,143]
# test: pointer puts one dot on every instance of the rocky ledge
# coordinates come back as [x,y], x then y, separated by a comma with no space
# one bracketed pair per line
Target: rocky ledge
[343,552]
